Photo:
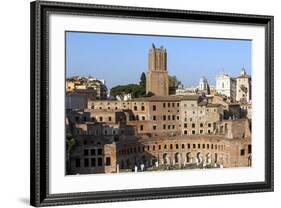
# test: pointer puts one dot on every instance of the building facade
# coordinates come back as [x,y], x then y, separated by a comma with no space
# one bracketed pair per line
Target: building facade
[182,131]
[243,90]
[111,145]
[226,85]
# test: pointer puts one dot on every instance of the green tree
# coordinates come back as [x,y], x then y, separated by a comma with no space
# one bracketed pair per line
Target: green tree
[70,144]
[174,83]
[143,80]
[136,90]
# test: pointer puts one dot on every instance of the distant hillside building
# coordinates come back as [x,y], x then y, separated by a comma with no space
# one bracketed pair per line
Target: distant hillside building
[87,83]
[157,80]
[202,88]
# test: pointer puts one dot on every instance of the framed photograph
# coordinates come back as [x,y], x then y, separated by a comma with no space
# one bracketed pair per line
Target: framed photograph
[131,103]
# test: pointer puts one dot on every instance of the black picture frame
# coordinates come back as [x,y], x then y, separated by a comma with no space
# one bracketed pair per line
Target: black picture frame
[39,188]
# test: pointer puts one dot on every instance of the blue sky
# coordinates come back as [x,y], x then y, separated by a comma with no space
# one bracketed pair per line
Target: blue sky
[120,59]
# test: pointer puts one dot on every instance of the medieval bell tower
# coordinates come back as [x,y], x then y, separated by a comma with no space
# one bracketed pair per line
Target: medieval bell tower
[157,80]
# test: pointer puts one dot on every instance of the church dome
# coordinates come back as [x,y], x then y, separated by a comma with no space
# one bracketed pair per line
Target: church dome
[243,72]
[203,80]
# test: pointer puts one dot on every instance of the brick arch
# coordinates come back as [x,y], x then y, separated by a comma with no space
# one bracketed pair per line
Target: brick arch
[165,158]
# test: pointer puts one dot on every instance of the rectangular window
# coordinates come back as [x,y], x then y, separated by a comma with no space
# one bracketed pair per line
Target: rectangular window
[194,146]
[188,146]
[135,108]
[143,118]
[164,118]
[154,127]
[198,146]
[173,104]
[173,117]
[193,132]
[209,125]
[168,105]
[154,107]
[203,146]
[182,146]
[99,151]
[77,163]
[242,152]
[185,132]
[99,161]
[201,124]
[178,104]
[86,162]
[154,118]
[164,105]
[107,161]
[93,151]
[109,118]
[193,125]
[164,126]
[159,147]
[201,131]
[142,108]
[93,162]
[141,127]
[86,152]
[185,125]
[177,146]
[249,149]
[100,119]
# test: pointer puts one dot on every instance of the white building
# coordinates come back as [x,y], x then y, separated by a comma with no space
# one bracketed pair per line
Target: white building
[203,86]
[243,89]
[226,85]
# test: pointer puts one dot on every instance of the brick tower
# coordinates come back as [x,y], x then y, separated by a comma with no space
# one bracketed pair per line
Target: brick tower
[157,80]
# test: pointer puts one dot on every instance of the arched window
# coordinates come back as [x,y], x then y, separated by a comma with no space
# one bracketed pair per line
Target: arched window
[128,163]
[188,157]
[165,158]
[177,157]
